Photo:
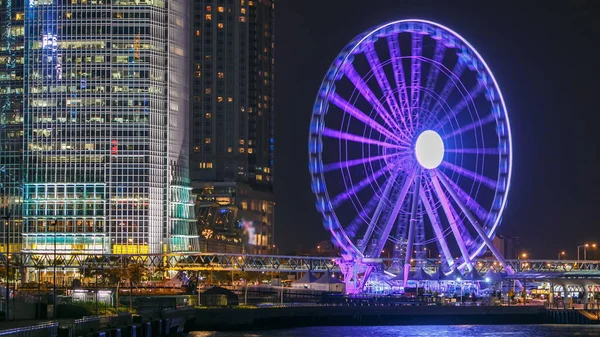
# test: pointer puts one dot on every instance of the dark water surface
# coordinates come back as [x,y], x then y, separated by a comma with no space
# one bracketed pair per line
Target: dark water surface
[420,330]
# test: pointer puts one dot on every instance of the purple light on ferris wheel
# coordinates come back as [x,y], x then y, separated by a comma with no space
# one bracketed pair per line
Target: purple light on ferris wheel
[368,94]
[357,139]
[399,77]
[361,116]
[360,161]
[475,125]
[414,81]
[489,182]
[479,211]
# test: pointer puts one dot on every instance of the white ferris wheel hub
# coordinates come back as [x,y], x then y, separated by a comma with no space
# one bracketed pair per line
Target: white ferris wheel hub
[429,149]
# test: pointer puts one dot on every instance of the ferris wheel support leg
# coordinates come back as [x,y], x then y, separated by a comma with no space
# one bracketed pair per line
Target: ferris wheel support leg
[350,269]
[475,224]
[411,226]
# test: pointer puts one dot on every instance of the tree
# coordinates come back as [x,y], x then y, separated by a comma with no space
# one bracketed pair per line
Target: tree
[134,272]
[113,275]
[157,272]
[11,273]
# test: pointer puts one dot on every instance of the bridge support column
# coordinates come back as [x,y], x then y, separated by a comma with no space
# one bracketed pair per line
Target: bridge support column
[551,295]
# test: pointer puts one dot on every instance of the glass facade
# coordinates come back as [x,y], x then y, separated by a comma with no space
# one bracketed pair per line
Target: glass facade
[104,161]
[11,117]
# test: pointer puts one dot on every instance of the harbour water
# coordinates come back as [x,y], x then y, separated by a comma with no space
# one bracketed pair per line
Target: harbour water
[419,331]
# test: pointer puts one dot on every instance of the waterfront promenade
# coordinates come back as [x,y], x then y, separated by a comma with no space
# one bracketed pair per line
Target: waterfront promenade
[276,316]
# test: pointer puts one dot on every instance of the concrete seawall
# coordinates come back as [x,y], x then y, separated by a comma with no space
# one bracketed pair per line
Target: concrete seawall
[272,318]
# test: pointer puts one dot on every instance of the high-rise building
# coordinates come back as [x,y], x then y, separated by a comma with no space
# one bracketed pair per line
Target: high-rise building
[232,91]
[12,35]
[99,148]
[232,96]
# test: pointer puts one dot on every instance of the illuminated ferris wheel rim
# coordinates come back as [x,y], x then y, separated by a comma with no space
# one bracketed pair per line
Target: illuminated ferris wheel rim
[438,32]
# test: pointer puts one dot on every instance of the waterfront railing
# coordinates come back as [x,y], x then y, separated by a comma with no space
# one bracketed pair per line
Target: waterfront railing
[48,329]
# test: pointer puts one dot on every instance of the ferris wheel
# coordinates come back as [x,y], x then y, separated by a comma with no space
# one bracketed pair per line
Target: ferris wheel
[410,147]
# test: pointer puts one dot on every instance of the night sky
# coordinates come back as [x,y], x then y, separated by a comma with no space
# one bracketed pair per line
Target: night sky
[546,61]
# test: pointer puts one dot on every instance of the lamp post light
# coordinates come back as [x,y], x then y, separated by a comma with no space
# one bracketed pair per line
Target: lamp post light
[519,269]
[593,245]
[561,254]
[519,266]
[585,247]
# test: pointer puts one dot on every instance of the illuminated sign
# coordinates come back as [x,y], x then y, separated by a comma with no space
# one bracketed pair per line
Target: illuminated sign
[49,41]
[249,230]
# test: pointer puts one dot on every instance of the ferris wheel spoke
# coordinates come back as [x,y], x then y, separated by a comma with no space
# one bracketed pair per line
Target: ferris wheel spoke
[447,207]
[382,80]
[435,224]
[392,215]
[354,162]
[361,116]
[488,182]
[366,92]
[473,221]
[483,151]
[479,123]
[434,71]
[357,139]
[383,200]
[480,212]
[339,199]
[355,224]
[463,230]
[396,58]
[460,106]
[415,75]
[412,224]
[458,70]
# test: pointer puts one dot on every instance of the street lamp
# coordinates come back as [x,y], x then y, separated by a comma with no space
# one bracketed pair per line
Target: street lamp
[522,255]
[585,247]
[585,251]
[561,254]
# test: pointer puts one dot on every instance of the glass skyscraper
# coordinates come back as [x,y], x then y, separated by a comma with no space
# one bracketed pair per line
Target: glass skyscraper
[11,118]
[104,162]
